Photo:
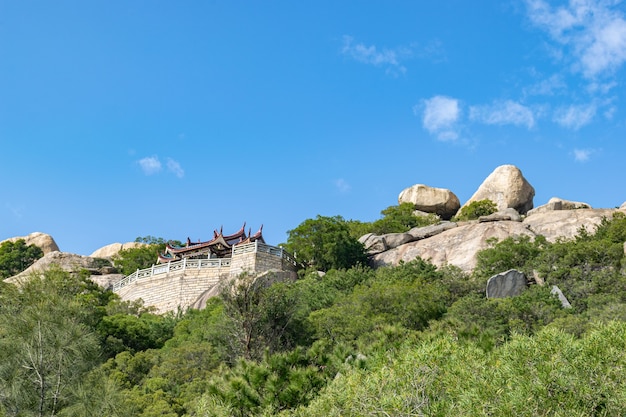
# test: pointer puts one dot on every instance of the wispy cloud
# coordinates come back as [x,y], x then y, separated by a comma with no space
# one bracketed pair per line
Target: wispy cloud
[546,87]
[503,113]
[175,168]
[595,30]
[150,165]
[388,58]
[582,155]
[575,116]
[440,116]
[342,185]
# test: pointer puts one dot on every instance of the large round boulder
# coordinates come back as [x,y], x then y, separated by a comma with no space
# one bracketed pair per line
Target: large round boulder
[42,240]
[113,249]
[439,201]
[507,188]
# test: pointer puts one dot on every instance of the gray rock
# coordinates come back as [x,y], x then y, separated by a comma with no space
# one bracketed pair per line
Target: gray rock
[506,187]
[425,232]
[373,243]
[393,240]
[507,284]
[427,199]
[509,214]
[380,243]
[564,301]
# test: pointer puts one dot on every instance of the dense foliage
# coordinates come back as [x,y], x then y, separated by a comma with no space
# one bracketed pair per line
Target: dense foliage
[395,219]
[16,256]
[325,243]
[407,340]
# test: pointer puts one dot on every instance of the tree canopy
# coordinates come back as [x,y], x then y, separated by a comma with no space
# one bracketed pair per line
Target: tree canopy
[16,256]
[325,243]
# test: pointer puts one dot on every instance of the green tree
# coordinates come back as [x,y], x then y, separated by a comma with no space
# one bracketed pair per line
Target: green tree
[325,243]
[395,219]
[45,348]
[16,256]
[130,260]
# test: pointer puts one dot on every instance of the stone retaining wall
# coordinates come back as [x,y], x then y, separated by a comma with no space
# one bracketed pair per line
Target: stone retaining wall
[180,289]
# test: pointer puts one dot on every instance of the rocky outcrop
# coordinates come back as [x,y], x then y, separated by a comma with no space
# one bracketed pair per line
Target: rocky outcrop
[456,246]
[556,203]
[427,199]
[506,284]
[67,262]
[458,243]
[507,188]
[114,248]
[566,223]
[379,243]
[44,241]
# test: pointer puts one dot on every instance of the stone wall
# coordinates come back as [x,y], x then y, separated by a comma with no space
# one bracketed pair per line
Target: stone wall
[182,288]
[173,290]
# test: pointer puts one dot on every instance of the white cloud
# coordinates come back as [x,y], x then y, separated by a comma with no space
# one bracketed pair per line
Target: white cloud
[389,58]
[175,168]
[440,117]
[342,185]
[594,29]
[150,165]
[582,155]
[503,113]
[575,116]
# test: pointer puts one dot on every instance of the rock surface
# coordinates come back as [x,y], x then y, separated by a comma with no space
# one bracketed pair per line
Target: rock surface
[67,262]
[507,188]
[439,201]
[506,284]
[44,241]
[556,203]
[566,223]
[457,246]
[379,243]
[564,301]
[114,248]
[506,214]
[459,243]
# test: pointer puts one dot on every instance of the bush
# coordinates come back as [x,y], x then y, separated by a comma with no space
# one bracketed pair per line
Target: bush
[476,209]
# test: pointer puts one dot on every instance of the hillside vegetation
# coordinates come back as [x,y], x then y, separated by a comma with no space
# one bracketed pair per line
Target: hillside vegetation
[408,340]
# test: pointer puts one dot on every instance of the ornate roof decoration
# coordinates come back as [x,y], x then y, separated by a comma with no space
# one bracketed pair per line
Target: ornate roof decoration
[219,247]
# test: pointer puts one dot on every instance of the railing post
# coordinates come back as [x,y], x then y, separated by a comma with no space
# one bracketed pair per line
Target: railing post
[168,266]
[152,271]
[256,246]
[184,263]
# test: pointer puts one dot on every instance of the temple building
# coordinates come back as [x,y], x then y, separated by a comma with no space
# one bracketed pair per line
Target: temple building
[221,246]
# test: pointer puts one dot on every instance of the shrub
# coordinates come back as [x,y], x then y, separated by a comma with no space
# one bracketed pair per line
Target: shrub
[476,209]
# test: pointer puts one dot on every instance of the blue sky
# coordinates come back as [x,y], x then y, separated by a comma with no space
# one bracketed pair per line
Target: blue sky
[121,119]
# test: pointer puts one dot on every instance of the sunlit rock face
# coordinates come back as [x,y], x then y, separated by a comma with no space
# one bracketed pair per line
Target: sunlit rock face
[507,188]
[43,240]
[427,199]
